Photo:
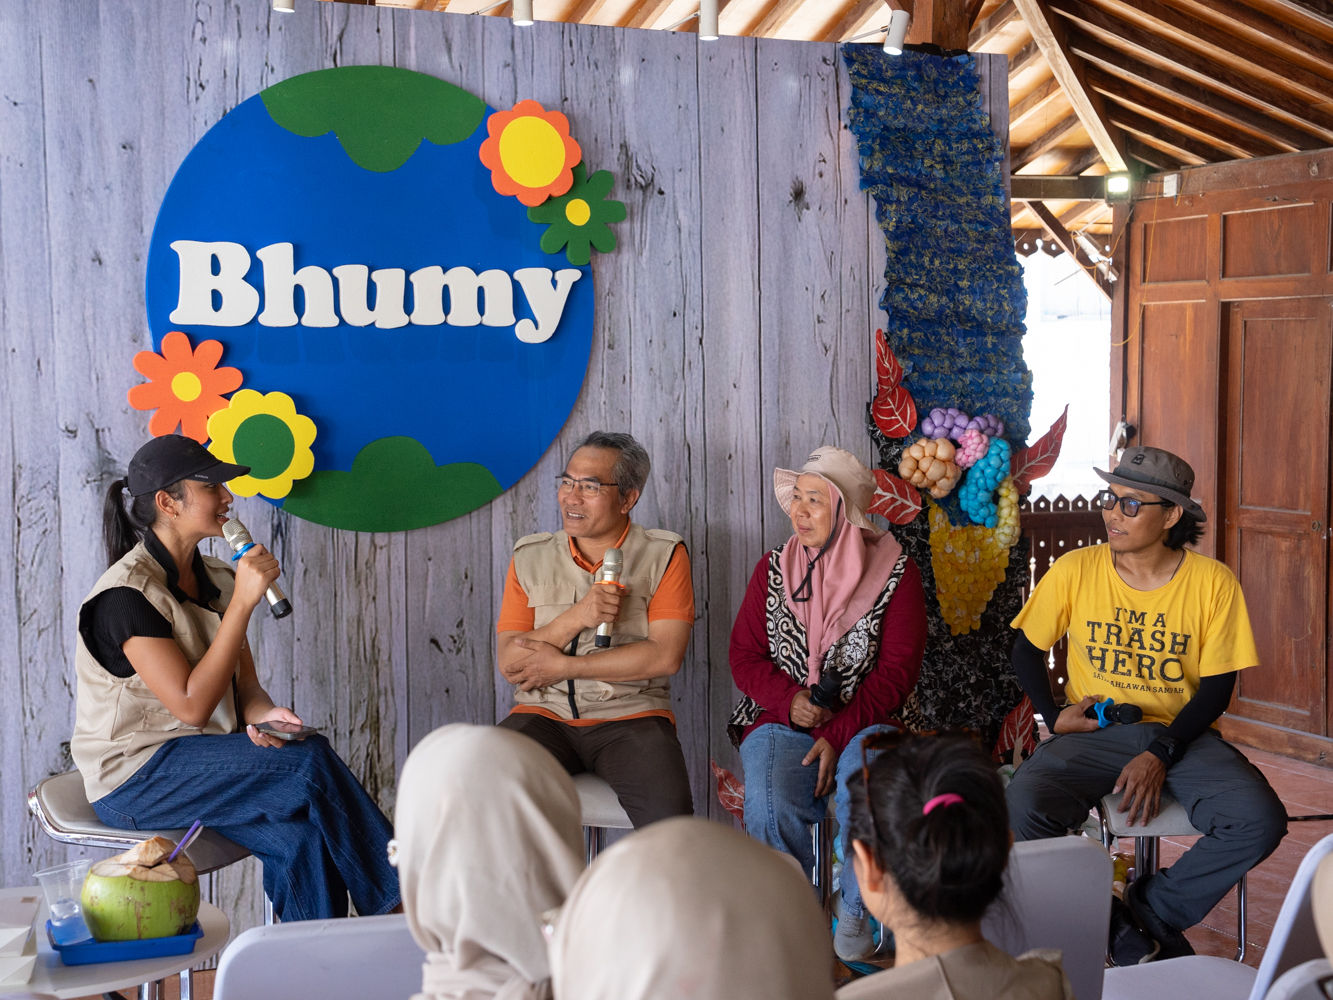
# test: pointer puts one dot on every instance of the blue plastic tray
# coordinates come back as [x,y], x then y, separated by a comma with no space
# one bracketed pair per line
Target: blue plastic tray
[90,952]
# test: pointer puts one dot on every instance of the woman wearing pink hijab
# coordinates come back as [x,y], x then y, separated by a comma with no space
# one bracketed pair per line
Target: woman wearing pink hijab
[826,647]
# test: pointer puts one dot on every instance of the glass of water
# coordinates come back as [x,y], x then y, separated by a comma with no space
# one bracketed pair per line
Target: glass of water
[63,885]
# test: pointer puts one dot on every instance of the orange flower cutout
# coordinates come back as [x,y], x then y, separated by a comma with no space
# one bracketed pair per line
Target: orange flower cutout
[185,386]
[529,153]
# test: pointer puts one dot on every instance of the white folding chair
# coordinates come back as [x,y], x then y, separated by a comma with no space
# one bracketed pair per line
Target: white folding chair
[1311,980]
[601,810]
[337,959]
[1294,941]
[1057,894]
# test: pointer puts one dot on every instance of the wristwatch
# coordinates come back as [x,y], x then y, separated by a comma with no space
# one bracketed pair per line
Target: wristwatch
[1168,749]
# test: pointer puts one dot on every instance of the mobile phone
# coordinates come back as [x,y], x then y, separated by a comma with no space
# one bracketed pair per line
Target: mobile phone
[286,730]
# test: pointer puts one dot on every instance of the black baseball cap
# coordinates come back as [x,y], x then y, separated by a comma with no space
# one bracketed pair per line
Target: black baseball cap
[172,457]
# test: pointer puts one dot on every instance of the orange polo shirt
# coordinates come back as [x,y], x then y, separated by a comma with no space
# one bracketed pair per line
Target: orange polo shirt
[672,601]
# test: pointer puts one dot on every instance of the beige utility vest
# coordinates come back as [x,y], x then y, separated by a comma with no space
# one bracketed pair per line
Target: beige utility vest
[554,583]
[119,721]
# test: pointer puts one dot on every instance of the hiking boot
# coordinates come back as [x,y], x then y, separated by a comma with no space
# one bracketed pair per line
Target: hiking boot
[854,940]
[1174,943]
[1128,944]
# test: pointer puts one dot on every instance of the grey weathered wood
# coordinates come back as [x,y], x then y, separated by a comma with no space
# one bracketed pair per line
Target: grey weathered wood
[732,335]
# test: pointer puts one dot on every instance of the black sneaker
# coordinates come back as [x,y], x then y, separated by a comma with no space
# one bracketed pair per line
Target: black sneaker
[1174,943]
[1128,944]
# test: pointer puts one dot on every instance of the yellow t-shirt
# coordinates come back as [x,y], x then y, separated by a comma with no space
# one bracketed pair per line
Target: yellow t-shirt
[1145,647]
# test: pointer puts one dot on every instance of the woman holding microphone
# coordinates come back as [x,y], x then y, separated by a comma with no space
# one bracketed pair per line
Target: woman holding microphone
[162,655]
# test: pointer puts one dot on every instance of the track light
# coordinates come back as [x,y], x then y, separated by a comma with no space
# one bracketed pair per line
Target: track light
[707,20]
[899,21]
[522,13]
[285,6]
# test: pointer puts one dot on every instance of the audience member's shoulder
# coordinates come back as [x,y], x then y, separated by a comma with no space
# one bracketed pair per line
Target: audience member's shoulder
[1043,976]
[662,535]
[920,980]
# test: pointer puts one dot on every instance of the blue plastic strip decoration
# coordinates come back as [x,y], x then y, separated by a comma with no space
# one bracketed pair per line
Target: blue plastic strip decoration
[955,301]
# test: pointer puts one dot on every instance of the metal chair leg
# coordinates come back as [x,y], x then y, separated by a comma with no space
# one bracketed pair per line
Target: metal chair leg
[187,984]
[1240,918]
[594,842]
[268,911]
[822,876]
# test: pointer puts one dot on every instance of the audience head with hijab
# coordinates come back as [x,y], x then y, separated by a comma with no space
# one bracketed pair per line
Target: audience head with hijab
[826,648]
[489,838]
[687,909]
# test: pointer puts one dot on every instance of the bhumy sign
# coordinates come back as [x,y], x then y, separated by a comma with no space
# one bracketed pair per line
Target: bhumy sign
[376,292]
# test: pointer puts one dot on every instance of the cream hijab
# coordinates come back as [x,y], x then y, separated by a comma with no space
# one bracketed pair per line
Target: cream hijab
[689,909]
[489,837]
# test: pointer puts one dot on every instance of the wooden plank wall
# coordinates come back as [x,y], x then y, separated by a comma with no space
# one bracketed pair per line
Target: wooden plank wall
[733,335]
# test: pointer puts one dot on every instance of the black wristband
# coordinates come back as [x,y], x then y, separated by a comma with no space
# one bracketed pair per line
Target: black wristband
[1160,749]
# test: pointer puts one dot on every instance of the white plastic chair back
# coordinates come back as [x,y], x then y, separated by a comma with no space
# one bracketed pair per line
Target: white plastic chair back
[1294,939]
[347,959]
[1308,981]
[1057,894]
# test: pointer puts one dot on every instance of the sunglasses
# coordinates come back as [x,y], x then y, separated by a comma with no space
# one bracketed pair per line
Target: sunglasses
[1106,500]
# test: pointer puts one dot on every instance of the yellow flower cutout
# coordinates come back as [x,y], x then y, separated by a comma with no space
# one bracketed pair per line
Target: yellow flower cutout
[266,433]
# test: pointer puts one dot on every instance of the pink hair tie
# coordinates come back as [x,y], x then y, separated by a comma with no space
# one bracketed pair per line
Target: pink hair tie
[946,800]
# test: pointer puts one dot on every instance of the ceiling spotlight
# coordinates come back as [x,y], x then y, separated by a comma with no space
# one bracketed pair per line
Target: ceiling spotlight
[522,13]
[286,6]
[708,20]
[1117,186]
[899,21]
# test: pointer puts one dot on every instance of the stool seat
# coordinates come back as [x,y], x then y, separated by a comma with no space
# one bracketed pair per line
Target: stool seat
[61,806]
[1171,819]
[599,803]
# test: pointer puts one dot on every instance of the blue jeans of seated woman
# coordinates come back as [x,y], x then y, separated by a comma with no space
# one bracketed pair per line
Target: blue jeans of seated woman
[780,803]
[298,808]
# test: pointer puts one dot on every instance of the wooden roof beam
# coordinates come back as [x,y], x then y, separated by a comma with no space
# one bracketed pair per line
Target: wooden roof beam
[1024,59]
[1043,144]
[782,12]
[1192,96]
[1152,158]
[1085,159]
[1049,35]
[1234,142]
[1056,187]
[1268,32]
[990,27]
[1065,240]
[864,15]
[1034,103]
[649,13]
[1154,133]
[940,22]
[1139,42]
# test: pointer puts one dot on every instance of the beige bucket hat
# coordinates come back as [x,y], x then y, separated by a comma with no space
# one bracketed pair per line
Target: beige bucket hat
[844,470]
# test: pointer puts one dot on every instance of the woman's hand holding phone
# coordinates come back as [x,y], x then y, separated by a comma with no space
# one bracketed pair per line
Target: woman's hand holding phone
[275,715]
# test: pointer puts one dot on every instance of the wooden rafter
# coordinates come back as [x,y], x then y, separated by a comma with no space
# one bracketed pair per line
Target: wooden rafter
[1034,103]
[1066,241]
[864,15]
[1278,37]
[1025,58]
[988,28]
[1192,96]
[1236,143]
[1139,42]
[648,13]
[780,13]
[1154,133]
[1154,159]
[1087,158]
[1056,187]
[1049,35]
[1044,143]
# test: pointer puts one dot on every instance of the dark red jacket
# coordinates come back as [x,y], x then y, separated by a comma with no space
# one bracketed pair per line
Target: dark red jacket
[882,692]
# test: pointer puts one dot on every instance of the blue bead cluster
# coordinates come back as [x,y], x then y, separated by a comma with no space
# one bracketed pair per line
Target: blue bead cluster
[974,496]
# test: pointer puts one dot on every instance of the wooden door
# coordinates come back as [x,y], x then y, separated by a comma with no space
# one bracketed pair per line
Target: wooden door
[1276,484]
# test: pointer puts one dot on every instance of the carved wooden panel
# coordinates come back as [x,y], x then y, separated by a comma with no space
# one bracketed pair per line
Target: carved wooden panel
[1269,242]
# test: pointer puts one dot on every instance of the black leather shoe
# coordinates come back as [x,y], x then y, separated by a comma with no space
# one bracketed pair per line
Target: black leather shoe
[1174,943]
[1128,944]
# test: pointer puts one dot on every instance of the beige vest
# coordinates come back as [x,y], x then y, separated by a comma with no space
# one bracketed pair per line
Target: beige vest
[554,583]
[119,721]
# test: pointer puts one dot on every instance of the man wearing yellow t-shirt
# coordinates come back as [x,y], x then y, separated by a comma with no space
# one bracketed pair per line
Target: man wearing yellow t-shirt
[1157,626]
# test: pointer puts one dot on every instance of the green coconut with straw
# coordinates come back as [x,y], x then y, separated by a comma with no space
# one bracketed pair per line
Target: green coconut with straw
[140,894]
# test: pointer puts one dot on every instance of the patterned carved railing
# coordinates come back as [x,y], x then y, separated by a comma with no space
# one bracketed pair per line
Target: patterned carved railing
[1054,527]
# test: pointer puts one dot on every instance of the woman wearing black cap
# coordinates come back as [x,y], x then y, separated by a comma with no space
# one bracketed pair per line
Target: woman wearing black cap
[161,654]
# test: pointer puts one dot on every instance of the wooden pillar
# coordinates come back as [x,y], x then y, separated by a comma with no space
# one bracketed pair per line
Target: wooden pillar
[942,22]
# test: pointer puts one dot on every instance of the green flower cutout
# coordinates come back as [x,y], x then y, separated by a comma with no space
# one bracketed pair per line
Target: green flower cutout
[578,220]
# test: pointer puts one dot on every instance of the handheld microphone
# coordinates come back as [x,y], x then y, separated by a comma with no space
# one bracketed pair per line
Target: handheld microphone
[612,562]
[238,537]
[1109,713]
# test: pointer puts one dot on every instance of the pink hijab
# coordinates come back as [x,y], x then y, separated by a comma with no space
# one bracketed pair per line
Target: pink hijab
[847,579]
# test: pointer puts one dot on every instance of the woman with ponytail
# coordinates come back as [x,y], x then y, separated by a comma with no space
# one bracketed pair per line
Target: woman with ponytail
[930,836]
[161,655]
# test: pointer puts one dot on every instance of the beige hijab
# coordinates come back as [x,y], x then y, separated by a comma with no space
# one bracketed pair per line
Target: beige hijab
[489,837]
[689,909]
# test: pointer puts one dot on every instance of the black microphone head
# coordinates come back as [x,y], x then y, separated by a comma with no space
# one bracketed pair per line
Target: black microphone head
[1128,714]
[236,534]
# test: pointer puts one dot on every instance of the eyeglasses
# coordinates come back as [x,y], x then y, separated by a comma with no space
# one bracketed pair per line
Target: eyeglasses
[1106,500]
[586,488]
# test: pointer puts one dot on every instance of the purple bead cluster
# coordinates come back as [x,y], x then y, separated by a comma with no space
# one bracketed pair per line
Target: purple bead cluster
[948,423]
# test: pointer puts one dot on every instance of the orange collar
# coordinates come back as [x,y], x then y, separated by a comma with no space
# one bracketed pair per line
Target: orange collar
[586,566]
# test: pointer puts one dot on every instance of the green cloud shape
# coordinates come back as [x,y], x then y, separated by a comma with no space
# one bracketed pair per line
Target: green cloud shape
[380,114]
[394,485]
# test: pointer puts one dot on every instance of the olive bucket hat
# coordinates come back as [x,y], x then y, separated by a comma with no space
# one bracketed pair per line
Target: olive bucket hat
[1157,472]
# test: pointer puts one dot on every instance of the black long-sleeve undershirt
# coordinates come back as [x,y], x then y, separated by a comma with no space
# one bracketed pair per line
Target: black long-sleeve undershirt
[1200,712]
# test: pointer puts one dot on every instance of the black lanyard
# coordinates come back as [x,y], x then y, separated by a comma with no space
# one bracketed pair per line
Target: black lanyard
[807,587]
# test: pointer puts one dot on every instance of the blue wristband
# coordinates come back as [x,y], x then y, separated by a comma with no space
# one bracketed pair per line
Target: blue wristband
[243,550]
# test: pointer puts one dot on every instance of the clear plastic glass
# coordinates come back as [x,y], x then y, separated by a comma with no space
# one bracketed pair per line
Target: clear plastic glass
[63,885]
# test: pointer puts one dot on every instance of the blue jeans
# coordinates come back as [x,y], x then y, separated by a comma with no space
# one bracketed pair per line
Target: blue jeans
[780,803]
[297,808]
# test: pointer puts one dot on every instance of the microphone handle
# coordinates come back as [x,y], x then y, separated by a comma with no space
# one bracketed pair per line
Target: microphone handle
[603,639]
[277,601]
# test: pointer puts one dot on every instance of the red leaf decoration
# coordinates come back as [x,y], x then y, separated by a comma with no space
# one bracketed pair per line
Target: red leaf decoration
[730,791]
[1017,731]
[893,410]
[896,499]
[1037,460]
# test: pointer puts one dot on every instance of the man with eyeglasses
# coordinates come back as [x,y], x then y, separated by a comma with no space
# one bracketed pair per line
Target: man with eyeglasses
[608,710]
[1158,626]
